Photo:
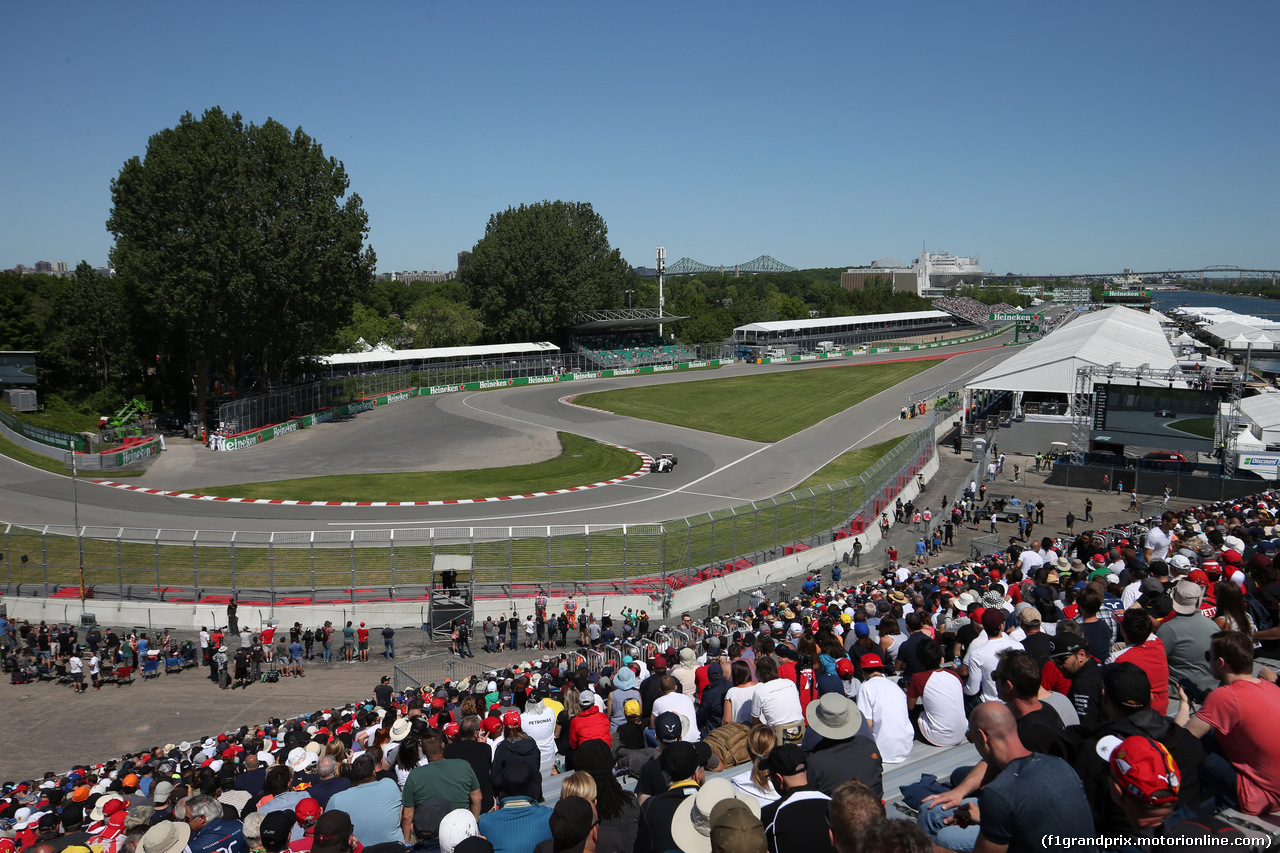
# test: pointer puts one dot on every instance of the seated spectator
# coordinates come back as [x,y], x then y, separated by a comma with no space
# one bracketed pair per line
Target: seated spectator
[1031,796]
[373,804]
[1243,764]
[854,809]
[935,699]
[1186,635]
[680,763]
[755,779]
[884,707]
[777,703]
[617,809]
[844,751]
[520,823]
[797,819]
[1146,652]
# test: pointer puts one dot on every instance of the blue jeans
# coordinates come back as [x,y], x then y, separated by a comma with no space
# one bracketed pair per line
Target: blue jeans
[464,649]
[490,644]
[950,836]
[389,648]
[1218,776]
[328,650]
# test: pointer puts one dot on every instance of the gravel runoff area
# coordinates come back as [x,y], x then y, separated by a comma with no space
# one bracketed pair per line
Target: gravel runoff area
[98,725]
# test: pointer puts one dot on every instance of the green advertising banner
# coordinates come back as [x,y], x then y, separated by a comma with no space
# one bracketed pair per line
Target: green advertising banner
[51,437]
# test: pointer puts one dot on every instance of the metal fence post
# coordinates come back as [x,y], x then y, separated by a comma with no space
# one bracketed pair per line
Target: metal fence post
[44,557]
[352,542]
[392,545]
[155,544]
[119,559]
[232,545]
[195,566]
[271,569]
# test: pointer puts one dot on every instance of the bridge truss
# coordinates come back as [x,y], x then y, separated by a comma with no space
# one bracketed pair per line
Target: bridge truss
[764,263]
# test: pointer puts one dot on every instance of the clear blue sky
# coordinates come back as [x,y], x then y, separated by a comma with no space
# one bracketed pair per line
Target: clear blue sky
[1046,138]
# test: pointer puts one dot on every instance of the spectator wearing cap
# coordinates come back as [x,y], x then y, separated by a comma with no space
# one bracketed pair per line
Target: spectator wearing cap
[710,713]
[701,677]
[1144,782]
[686,672]
[625,688]
[884,708]
[1243,768]
[276,829]
[1186,636]
[516,748]
[652,778]
[471,746]
[334,833]
[798,819]
[520,823]
[1147,653]
[574,827]
[651,688]
[981,660]
[280,783]
[590,723]
[450,779]
[1126,698]
[935,698]
[1030,797]
[1072,655]
[691,825]
[845,749]
[373,804]
[680,763]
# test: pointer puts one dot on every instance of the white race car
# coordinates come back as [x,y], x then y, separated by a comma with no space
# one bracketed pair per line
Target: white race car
[663,464]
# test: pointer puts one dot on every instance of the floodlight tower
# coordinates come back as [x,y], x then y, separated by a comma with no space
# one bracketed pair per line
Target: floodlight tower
[662,269]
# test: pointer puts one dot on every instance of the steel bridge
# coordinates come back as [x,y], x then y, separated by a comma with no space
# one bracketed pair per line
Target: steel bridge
[764,263]
[1204,273]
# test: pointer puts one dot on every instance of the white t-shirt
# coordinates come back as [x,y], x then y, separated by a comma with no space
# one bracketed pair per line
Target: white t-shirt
[682,705]
[943,721]
[982,663]
[740,698]
[777,702]
[94,663]
[885,705]
[75,665]
[1029,561]
[1158,541]
[539,723]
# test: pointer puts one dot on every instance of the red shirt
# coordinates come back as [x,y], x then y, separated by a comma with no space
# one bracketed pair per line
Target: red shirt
[1243,716]
[1150,657]
[362,634]
[1051,678]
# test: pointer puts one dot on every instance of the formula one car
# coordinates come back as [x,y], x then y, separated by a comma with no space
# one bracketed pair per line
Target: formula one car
[663,464]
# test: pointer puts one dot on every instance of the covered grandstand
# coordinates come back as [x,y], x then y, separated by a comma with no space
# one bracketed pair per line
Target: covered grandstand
[863,328]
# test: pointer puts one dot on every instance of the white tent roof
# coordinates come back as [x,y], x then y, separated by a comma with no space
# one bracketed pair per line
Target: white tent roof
[1263,410]
[1117,334]
[824,322]
[1242,334]
[379,355]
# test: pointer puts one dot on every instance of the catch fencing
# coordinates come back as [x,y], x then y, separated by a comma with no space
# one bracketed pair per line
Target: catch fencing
[337,567]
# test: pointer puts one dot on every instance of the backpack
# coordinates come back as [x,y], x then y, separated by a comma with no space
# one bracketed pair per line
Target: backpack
[308,636]
[728,742]
[1262,617]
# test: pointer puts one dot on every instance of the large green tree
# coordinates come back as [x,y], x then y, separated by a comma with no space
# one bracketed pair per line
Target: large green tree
[236,249]
[538,265]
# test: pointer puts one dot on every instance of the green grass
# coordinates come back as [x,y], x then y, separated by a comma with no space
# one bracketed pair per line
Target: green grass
[581,461]
[767,407]
[55,466]
[1195,426]
[59,417]
[849,465]
[335,562]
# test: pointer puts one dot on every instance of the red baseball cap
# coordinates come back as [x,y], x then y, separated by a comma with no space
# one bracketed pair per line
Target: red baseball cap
[1198,576]
[437,704]
[451,730]
[844,667]
[871,660]
[308,811]
[511,719]
[491,725]
[1144,770]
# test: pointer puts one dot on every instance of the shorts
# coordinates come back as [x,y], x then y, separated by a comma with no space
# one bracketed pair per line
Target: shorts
[296,658]
[364,645]
[348,644]
[77,677]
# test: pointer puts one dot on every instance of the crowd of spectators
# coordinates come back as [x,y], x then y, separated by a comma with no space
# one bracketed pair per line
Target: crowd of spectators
[1108,684]
[971,309]
[628,351]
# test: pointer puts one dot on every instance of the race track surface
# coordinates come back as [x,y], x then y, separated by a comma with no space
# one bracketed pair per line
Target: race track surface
[487,429]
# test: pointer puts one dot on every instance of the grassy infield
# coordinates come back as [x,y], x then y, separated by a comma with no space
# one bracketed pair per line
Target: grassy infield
[760,408]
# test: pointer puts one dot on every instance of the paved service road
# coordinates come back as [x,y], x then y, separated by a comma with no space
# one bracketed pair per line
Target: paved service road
[486,429]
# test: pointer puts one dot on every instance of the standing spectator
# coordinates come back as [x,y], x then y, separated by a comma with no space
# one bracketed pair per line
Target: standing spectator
[1088,510]
[1071,523]
[362,638]
[348,643]
[490,631]
[389,642]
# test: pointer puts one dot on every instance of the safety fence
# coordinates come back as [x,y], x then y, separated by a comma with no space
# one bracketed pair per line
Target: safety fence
[337,567]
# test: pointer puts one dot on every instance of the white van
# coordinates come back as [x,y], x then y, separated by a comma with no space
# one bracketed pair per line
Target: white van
[827,346]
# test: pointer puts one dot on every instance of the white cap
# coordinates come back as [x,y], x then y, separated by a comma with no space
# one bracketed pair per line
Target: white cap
[456,826]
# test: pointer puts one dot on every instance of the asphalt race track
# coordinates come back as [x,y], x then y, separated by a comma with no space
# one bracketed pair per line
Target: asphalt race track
[487,429]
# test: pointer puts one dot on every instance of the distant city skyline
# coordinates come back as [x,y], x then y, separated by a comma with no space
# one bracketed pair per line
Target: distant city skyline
[1088,137]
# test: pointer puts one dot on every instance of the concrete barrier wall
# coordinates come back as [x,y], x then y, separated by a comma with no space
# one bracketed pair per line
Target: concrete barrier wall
[189,617]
